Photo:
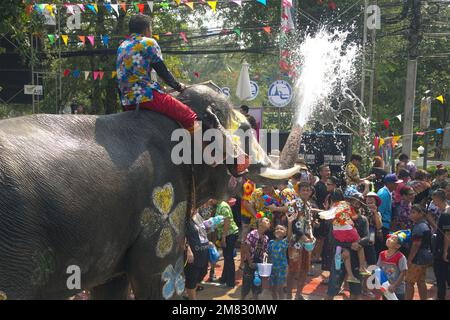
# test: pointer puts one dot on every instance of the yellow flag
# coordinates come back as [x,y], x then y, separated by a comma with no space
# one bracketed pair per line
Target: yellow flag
[178,2]
[440,99]
[156,36]
[65,38]
[396,138]
[190,5]
[113,74]
[381,141]
[96,8]
[49,8]
[212,4]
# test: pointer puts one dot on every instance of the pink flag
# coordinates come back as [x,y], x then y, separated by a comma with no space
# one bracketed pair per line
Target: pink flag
[81,7]
[96,74]
[101,75]
[183,35]
[286,3]
[91,40]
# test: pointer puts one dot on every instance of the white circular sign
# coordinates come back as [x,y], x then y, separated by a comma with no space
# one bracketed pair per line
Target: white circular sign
[254,89]
[280,93]
[226,91]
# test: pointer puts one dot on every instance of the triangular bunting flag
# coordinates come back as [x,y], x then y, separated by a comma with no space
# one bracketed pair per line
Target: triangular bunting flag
[440,99]
[286,3]
[386,123]
[81,6]
[51,37]
[164,5]
[156,36]
[190,5]
[178,2]
[332,5]
[76,73]
[263,2]
[141,7]
[123,5]
[101,73]
[108,7]
[213,5]
[395,139]
[66,72]
[113,74]
[105,39]
[83,39]
[183,35]
[70,9]
[150,5]
[168,33]
[196,74]
[267,29]
[237,31]
[29,9]
[399,117]
[96,73]
[86,75]
[93,8]
[49,8]
[91,40]
[65,38]
[115,7]
[238,2]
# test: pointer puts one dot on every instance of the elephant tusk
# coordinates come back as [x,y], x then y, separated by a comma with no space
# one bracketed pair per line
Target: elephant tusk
[277,174]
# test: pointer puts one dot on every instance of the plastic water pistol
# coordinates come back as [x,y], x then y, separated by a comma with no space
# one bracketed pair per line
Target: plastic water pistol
[213,222]
[381,276]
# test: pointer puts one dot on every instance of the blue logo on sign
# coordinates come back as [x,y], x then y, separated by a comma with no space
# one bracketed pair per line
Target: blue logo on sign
[254,89]
[280,93]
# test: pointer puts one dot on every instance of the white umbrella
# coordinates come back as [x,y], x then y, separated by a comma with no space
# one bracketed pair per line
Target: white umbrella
[243,90]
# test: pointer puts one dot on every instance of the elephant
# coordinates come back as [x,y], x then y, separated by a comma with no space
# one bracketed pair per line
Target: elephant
[95,202]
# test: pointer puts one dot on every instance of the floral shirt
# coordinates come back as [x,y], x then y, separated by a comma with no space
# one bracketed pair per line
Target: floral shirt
[302,225]
[402,221]
[258,245]
[134,59]
[277,252]
[352,174]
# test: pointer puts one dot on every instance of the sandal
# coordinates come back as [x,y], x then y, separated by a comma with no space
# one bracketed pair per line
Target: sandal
[353,280]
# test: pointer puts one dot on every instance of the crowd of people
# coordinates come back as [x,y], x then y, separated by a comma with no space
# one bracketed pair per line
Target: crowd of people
[397,223]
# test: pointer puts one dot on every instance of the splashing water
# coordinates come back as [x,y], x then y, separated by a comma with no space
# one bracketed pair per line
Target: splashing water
[326,66]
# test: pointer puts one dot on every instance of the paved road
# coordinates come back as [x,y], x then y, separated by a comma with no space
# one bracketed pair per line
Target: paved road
[314,289]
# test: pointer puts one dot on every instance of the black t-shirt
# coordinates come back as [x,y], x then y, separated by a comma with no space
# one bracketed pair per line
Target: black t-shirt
[443,226]
[421,231]
[197,239]
[321,193]
[379,177]
[252,121]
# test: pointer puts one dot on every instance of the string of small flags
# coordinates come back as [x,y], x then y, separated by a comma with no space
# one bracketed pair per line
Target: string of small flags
[115,8]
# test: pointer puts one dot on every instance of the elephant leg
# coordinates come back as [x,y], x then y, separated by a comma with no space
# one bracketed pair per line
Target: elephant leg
[114,289]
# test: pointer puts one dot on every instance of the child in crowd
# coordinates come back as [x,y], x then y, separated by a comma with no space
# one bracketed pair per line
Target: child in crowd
[394,265]
[301,241]
[277,250]
[345,232]
[420,256]
[255,246]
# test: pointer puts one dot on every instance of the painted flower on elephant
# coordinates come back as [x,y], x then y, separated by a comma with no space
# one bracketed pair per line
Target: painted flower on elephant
[168,222]
[174,280]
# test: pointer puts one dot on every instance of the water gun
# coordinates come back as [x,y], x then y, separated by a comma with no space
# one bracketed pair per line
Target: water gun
[262,214]
[338,258]
[257,280]
[381,276]
[213,222]
[404,235]
[268,200]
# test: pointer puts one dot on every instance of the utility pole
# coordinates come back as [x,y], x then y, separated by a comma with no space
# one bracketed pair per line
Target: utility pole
[411,76]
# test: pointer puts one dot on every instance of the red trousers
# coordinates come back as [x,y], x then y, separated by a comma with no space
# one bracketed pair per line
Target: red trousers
[169,106]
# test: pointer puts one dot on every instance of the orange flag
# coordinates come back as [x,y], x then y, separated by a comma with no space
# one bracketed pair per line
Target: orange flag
[267,29]
[124,6]
[83,39]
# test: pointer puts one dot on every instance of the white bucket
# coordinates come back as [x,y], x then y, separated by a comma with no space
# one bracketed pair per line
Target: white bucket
[264,269]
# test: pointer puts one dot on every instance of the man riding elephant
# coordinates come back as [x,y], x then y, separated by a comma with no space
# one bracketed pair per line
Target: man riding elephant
[136,57]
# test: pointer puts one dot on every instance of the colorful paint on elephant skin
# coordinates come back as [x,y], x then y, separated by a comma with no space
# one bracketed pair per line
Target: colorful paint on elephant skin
[174,280]
[3,296]
[163,198]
